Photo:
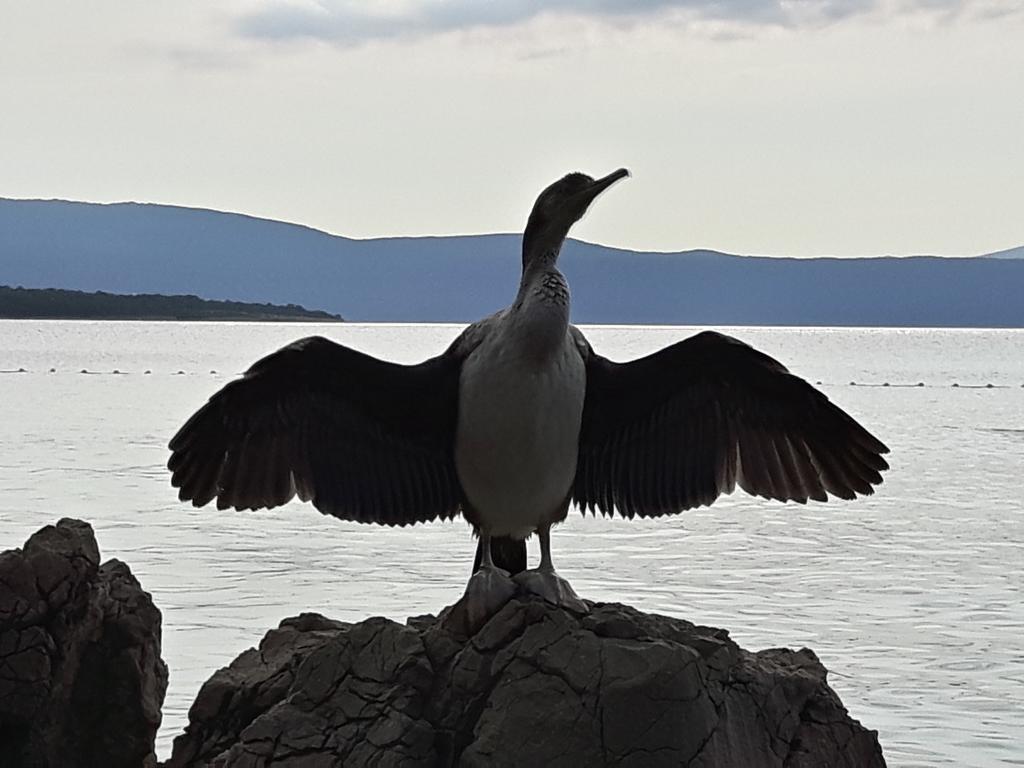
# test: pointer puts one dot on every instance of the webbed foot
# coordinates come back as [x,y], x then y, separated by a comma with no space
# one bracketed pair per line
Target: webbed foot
[486,593]
[546,583]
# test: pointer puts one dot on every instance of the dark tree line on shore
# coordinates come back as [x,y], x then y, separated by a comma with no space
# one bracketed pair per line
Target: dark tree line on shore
[59,304]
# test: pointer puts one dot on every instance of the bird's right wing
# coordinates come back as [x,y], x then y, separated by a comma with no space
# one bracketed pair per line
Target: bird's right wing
[674,430]
[363,439]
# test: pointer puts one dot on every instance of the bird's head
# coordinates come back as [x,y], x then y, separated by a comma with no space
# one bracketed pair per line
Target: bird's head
[560,206]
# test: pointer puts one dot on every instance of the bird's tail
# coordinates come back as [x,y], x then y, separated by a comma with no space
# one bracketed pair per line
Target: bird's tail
[507,553]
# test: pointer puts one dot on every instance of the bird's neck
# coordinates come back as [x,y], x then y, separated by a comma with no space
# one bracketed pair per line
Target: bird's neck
[541,309]
[538,263]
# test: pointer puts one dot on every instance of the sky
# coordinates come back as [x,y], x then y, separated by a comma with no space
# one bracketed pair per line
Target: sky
[778,127]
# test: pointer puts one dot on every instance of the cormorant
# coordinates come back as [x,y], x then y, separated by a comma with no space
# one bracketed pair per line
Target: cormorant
[515,421]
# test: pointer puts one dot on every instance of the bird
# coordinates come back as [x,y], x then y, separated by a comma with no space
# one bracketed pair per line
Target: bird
[516,421]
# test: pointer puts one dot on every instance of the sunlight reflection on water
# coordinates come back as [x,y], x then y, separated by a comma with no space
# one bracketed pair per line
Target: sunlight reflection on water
[912,598]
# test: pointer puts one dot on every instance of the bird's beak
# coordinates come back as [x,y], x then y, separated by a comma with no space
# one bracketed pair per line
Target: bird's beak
[600,185]
[586,196]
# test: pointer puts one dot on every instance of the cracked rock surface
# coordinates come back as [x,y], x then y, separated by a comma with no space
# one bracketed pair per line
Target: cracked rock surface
[535,686]
[81,678]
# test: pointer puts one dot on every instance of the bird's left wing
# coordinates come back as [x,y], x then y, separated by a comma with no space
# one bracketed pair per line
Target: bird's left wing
[677,428]
[363,439]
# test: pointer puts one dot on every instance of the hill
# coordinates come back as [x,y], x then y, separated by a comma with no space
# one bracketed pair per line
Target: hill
[60,304]
[1009,253]
[136,248]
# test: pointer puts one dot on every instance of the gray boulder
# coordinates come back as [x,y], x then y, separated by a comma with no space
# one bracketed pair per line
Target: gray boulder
[535,686]
[81,678]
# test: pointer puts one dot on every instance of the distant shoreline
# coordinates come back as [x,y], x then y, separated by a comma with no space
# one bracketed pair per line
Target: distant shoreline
[59,304]
[172,319]
[152,249]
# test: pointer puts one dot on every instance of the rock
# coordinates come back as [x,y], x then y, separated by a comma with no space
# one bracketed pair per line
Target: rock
[536,685]
[81,678]
[257,680]
[82,682]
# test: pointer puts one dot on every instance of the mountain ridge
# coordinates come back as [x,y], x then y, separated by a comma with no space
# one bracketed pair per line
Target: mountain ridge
[1012,252]
[154,248]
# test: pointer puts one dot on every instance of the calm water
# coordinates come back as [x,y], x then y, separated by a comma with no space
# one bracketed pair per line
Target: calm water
[912,598]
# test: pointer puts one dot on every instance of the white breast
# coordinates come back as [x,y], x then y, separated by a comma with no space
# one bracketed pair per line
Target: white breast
[518,429]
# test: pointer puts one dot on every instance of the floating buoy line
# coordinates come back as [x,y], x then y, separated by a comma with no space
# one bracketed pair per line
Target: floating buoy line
[214,372]
[113,372]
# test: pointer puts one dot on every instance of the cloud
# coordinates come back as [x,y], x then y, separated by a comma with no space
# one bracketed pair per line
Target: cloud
[350,22]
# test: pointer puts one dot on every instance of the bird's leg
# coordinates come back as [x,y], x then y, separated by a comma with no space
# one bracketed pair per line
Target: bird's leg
[489,588]
[485,551]
[544,537]
[545,582]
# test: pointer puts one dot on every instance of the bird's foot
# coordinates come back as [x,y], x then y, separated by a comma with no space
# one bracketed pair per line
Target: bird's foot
[545,583]
[486,593]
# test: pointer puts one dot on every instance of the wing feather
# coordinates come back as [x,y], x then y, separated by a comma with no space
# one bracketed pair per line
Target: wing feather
[676,429]
[363,439]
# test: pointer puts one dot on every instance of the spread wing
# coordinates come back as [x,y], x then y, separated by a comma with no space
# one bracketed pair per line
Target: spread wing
[674,430]
[361,438]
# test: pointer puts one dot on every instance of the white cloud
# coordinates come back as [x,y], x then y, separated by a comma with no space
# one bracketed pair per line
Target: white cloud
[346,22]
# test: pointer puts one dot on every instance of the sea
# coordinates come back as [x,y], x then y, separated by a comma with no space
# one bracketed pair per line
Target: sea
[912,598]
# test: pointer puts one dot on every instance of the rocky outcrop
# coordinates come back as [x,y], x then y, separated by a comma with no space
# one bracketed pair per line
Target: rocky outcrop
[535,686]
[82,682]
[81,678]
